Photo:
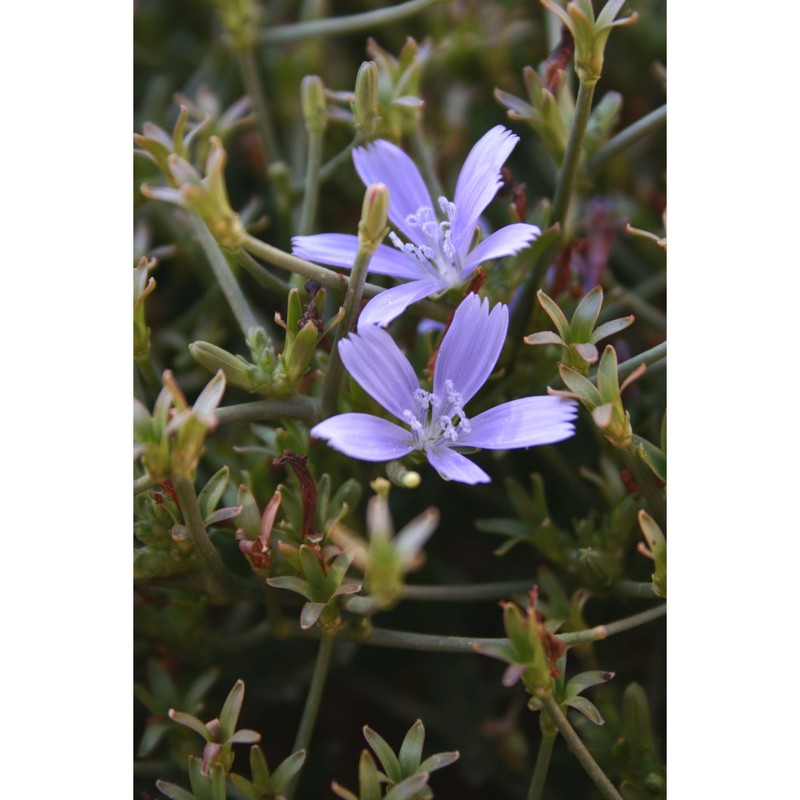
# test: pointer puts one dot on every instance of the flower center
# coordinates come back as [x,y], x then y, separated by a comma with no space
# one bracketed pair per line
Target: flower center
[438,420]
[433,246]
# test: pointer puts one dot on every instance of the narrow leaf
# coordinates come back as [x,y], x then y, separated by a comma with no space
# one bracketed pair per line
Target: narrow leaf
[293,584]
[438,761]
[553,310]
[188,721]
[585,316]
[212,492]
[230,710]
[411,749]
[588,709]
[287,770]
[385,754]
[408,788]
[310,614]
[580,683]
[175,792]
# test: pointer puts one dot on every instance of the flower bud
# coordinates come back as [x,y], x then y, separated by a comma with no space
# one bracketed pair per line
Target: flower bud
[372,227]
[365,107]
[315,108]
[596,568]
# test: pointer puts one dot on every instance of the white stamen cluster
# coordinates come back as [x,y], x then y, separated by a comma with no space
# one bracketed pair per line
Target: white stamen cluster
[437,421]
[434,248]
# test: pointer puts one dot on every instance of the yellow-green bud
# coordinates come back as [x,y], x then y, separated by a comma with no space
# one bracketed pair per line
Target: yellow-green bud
[315,107]
[374,212]
[365,107]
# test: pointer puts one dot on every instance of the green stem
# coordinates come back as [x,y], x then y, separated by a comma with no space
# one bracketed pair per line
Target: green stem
[604,631]
[221,583]
[352,302]
[625,138]
[329,167]
[255,91]
[311,192]
[569,167]
[309,717]
[263,277]
[352,23]
[560,210]
[225,277]
[466,593]
[579,750]
[293,408]
[542,765]
[650,357]
[331,279]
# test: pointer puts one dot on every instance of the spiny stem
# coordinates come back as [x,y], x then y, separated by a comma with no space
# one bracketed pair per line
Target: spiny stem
[578,749]
[311,191]
[311,708]
[625,138]
[225,277]
[352,301]
[255,91]
[542,765]
[292,408]
[352,23]
[330,279]
[221,579]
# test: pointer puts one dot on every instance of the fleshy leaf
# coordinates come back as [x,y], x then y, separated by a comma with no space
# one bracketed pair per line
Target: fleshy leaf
[411,749]
[385,754]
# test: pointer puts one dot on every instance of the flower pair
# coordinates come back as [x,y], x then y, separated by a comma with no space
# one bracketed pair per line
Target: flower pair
[436,423]
[439,253]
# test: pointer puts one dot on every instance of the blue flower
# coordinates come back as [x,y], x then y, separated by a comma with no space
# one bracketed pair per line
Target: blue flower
[436,422]
[437,254]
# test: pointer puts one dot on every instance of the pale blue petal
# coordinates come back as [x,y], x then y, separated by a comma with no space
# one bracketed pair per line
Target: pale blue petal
[470,347]
[505,242]
[339,250]
[454,467]
[388,305]
[522,423]
[383,372]
[479,181]
[364,436]
[383,162]
[336,249]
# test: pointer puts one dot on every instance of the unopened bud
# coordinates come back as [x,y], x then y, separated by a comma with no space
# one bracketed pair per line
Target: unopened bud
[237,371]
[315,108]
[596,568]
[365,107]
[374,212]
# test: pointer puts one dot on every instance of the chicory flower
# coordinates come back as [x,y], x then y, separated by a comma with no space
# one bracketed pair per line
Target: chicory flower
[438,253]
[436,422]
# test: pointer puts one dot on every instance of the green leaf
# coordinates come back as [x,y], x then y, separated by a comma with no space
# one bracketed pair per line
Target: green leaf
[231,709]
[287,770]
[336,573]
[544,337]
[310,613]
[312,572]
[191,722]
[293,584]
[202,683]
[408,788]
[212,492]
[580,683]
[259,768]
[340,791]
[607,376]
[653,457]
[153,734]
[368,779]
[587,708]
[438,761]
[610,328]
[553,310]
[581,386]
[585,316]
[173,791]
[385,754]
[411,749]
